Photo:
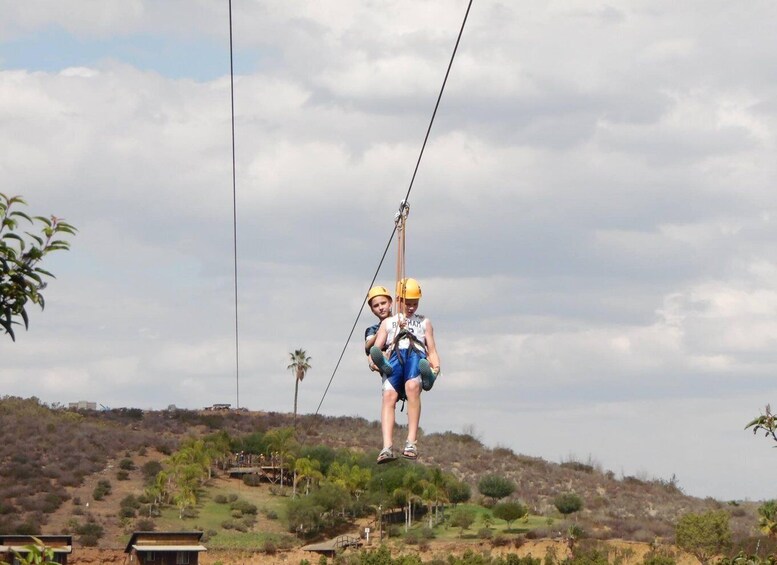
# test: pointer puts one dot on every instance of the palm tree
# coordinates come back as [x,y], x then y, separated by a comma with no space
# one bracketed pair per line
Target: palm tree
[281,441]
[300,363]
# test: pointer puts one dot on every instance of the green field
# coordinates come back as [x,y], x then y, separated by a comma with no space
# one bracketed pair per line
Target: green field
[447,532]
[211,516]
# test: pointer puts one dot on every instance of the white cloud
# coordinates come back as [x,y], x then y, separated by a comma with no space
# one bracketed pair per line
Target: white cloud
[591,221]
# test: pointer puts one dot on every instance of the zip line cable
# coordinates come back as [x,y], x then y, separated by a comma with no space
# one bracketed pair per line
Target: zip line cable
[402,206]
[234,211]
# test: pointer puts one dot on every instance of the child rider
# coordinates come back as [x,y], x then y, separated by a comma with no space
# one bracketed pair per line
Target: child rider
[379,301]
[409,364]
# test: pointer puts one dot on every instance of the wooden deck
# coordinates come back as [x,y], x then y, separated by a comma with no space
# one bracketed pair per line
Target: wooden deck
[331,546]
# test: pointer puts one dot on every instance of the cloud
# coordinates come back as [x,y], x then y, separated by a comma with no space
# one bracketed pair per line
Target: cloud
[592,221]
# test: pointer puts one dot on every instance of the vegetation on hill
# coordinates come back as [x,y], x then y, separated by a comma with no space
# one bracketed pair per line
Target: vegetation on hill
[170,470]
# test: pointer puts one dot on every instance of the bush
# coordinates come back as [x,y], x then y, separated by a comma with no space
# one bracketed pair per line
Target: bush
[145,525]
[655,558]
[89,533]
[243,506]
[126,512]
[567,503]
[252,480]
[89,540]
[122,475]
[130,501]
[485,533]
[127,465]
[412,537]
[220,499]
[499,541]
[496,486]
[270,548]
[102,489]
[150,470]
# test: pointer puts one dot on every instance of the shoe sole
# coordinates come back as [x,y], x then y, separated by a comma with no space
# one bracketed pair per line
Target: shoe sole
[427,375]
[380,361]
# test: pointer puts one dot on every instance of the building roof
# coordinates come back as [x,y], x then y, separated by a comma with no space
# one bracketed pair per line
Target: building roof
[165,541]
[19,542]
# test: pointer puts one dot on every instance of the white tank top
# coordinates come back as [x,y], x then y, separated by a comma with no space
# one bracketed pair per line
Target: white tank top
[416,324]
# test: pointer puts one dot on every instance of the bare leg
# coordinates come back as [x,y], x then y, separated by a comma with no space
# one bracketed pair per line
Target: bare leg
[387,416]
[413,392]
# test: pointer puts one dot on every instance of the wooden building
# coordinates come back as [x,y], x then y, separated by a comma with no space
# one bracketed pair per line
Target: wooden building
[62,546]
[165,548]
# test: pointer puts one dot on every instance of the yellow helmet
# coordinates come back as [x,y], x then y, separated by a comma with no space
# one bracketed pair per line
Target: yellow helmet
[409,289]
[378,291]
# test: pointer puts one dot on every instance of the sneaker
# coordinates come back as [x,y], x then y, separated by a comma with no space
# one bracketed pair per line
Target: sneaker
[410,451]
[380,361]
[386,455]
[427,374]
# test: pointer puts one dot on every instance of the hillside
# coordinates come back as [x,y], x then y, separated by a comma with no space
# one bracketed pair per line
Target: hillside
[51,460]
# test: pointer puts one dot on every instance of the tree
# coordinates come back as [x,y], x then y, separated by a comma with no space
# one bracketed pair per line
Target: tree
[282,442]
[766,422]
[457,491]
[767,518]
[307,469]
[496,487]
[703,535]
[510,512]
[463,517]
[567,503]
[21,277]
[300,364]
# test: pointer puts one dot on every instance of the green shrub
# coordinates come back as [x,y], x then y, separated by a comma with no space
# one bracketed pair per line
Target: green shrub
[127,465]
[243,506]
[567,503]
[220,499]
[252,480]
[485,533]
[150,470]
[122,475]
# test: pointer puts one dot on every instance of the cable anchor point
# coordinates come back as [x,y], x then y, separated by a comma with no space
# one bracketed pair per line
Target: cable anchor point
[401,215]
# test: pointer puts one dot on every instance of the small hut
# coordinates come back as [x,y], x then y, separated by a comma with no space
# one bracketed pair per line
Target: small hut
[165,548]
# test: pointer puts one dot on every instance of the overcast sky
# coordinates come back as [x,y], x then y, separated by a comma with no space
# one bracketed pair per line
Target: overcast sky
[594,223]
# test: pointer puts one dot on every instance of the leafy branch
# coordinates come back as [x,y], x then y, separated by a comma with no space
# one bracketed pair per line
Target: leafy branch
[21,252]
[766,423]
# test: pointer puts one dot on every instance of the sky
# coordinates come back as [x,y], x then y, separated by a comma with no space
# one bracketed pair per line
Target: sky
[593,223]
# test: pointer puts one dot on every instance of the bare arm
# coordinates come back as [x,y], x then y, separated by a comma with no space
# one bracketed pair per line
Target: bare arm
[431,347]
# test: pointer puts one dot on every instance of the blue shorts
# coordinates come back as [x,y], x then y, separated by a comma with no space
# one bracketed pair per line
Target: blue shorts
[404,365]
